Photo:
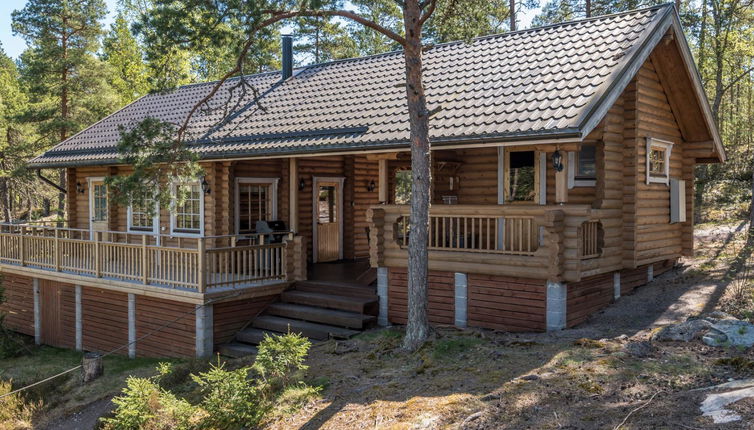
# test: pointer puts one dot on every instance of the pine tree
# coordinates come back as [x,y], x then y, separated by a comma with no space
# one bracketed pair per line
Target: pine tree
[122,52]
[323,39]
[67,84]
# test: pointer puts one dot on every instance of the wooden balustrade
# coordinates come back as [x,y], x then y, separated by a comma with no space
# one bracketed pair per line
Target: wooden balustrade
[120,256]
[527,241]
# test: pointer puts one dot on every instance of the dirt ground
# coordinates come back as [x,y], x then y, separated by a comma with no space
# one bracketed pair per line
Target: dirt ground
[580,378]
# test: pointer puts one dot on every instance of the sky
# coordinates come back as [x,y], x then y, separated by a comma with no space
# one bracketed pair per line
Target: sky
[14,45]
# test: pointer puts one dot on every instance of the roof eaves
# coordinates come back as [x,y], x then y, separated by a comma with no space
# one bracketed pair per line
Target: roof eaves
[612,88]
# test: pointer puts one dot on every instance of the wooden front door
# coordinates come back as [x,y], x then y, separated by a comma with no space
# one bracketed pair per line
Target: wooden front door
[328,219]
[98,209]
[50,313]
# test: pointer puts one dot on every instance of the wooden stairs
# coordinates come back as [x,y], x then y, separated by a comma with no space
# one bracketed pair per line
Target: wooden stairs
[317,310]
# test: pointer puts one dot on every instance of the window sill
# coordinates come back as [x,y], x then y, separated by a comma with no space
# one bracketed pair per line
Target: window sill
[585,183]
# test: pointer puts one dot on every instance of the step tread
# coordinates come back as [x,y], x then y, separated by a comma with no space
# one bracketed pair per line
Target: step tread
[309,329]
[254,336]
[330,301]
[237,349]
[320,315]
[336,288]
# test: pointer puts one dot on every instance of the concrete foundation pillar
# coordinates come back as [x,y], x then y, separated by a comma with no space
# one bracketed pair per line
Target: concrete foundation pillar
[79,321]
[131,325]
[37,312]
[461,299]
[555,312]
[616,285]
[382,288]
[650,273]
[205,342]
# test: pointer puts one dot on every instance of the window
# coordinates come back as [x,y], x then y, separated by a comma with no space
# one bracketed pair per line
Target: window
[658,161]
[403,180]
[256,200]
[582,166]
[521,177]
[140,218]
[187,218]
[99,201]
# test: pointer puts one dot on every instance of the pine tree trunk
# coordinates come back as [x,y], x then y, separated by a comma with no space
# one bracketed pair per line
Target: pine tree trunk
[512,7]
[417,329]
[588,8]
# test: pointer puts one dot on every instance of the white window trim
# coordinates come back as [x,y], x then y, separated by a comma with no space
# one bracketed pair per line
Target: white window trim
[155,221]
[90,191]
[665,145]
[273,182]
[173,208]
[572,181]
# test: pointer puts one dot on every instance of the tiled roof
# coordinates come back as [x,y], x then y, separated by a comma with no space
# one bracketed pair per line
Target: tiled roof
[536,83]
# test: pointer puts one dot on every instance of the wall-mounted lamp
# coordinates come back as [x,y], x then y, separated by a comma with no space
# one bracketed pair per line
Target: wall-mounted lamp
[205,186]
[371,186]
[80,188]
[301,184]
[557,161]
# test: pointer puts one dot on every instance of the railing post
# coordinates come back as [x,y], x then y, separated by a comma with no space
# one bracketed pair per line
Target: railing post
[22,247]
[144,262]
[202,269]
[97,265]
[57,251]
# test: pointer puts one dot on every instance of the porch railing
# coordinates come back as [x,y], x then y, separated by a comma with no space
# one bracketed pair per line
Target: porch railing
[229,261]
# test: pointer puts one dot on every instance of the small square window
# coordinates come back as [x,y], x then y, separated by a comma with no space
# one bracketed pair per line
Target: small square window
[658,161]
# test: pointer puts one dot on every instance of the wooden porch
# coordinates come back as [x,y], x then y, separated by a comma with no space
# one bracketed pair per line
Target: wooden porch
[203,265]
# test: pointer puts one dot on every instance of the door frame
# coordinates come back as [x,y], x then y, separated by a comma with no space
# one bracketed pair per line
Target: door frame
[89,181]
[315,212]
[273,182]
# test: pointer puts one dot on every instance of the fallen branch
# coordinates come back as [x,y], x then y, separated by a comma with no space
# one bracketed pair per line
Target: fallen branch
[635,410]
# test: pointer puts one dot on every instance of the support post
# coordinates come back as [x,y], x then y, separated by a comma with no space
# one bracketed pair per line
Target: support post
[79,321]
[616,285]
[202,266]
[561,183]
[383,181]
[204,331]
[293,194]
[555,312]
[37,312]
[131,325]
[144,260]
[22,247]
[461,299]
[382,293]
[650,273]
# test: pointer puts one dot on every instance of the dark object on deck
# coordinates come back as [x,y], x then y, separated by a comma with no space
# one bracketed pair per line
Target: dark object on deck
[91,366]
[276,227]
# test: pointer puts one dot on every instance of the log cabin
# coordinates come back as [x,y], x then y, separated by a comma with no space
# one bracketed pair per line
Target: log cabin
[562,178]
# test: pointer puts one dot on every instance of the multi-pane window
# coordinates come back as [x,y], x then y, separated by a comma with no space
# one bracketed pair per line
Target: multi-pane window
[99,202]
[187,217]
[586,164]
[658,161]
[254,204]
[141,218]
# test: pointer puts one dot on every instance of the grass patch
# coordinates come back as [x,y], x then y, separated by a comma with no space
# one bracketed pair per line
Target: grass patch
[448,348]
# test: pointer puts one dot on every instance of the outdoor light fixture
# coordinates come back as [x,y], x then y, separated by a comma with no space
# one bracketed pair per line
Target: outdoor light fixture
[371,186]
[557,161]
[301,184]
[205,186]
[80,188]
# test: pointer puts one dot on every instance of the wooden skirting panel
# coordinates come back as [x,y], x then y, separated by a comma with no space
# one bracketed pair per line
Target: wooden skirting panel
[104,317]
[176,340]
[18,307]
[441,297]
[632,278]
[503,303]
[588,296]
[58,313]
[230,317]
[662,266]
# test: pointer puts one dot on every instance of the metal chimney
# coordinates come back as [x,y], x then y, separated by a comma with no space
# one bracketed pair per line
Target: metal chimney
[287,57]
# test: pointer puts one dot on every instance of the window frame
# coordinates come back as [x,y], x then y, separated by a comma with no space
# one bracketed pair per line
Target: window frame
[143,230]
[174,208]
[272,182]
[667,147]
[573,179]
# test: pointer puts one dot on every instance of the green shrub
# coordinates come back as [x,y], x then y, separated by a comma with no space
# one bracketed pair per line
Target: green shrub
[15,411]
[230,398]
[280,357]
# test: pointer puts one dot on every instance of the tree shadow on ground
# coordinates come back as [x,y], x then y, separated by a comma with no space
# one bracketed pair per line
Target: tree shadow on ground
[376,383]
